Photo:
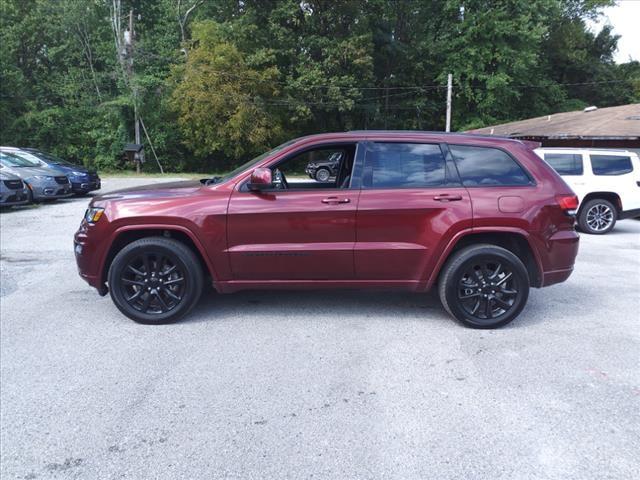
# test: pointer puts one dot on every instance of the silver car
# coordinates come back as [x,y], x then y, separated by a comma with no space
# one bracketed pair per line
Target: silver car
[43,183]
[13,191]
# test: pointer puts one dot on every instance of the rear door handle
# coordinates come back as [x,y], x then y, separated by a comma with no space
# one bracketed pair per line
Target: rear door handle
[335,200]
[445,197]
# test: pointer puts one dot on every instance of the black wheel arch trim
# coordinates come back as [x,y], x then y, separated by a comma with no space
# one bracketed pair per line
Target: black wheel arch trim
[149,230]
[536,280]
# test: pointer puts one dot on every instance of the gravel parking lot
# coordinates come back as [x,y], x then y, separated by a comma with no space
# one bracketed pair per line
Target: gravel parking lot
[313,385]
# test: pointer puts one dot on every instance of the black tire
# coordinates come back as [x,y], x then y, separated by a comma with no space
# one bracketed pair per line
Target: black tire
[597,217]
[323,173]
[461,286]
[30,196]
[148,275]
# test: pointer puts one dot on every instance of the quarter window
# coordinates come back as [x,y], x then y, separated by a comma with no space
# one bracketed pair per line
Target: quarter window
[486,166]
[610,164]
[565,163]
[403,165]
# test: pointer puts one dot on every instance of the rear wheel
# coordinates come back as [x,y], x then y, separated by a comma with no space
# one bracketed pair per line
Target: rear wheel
[155,280]
[484,286]
[597,217]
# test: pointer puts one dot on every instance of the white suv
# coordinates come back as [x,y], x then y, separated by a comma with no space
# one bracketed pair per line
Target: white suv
[607,183]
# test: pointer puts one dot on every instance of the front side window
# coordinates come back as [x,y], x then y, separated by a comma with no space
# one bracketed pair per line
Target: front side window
[610,164]
[322,167]
[403,165]
[486,167]
[565,163]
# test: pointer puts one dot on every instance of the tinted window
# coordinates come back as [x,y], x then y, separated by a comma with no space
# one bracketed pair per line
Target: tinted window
[565,163]
[403,165]
[610,164]
[485,166]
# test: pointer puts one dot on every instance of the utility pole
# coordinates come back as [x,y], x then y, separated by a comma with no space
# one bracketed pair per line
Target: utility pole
[449,88]
[129,40]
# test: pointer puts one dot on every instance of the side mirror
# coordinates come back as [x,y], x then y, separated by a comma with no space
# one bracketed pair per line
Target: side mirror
[261,179]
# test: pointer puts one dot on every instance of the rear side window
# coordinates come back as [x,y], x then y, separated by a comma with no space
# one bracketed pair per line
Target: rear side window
[610,164]
[565,163]
[486,166]
[403,165]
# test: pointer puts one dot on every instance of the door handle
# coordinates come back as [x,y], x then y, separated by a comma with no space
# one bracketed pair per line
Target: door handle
[335,200]
[445,197]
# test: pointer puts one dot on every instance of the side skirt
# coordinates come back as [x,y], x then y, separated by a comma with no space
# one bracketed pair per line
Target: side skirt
[231,286]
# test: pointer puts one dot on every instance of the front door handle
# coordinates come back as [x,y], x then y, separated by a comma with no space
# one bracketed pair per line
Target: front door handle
[335,200]
[445,197]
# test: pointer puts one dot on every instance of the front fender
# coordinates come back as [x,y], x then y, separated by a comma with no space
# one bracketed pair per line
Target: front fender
[122,231]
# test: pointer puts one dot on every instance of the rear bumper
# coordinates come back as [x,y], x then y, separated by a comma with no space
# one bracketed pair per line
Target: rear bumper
[560,252]
[556,276]
[630,214]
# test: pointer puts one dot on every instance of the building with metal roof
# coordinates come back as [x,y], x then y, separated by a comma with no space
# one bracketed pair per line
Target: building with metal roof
[611,127]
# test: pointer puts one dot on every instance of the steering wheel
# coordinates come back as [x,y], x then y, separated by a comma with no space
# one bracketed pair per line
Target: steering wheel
[284,185]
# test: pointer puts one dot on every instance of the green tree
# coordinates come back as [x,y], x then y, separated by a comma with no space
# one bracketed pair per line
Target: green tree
[222,103]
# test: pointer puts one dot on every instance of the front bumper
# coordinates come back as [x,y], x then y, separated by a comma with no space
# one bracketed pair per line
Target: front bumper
[90,245]
[85,184]
[14,197]
[50,190]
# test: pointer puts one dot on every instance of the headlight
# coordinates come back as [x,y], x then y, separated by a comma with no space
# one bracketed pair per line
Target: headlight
[42,177]
[93,214]
[78,174]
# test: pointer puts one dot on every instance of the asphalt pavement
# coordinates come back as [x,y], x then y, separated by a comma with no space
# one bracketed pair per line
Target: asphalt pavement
[322,385]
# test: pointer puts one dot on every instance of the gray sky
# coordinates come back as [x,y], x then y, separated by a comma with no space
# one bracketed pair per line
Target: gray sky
[625,19]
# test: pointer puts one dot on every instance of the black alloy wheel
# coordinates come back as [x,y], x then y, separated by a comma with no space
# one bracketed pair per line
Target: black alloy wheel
[484,286]
[153,283]
[155,280]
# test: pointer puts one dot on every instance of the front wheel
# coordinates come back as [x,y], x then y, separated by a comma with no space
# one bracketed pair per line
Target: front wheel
[597,217]
[484,286]
[155,280]
[323,175]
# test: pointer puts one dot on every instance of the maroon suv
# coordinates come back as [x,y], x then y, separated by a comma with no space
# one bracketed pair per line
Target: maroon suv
[483,218]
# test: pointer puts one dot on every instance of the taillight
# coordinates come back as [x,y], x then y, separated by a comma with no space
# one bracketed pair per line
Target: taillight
[568,203]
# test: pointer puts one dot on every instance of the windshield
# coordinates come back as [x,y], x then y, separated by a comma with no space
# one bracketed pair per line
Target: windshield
[11,160]
[53,159]
[254,161]
[29,157]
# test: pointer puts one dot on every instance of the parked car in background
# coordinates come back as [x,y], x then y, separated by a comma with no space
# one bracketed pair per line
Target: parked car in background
[13,191]
[83,180]
[323,170]
[482,219]
[43,183]
[607,183]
